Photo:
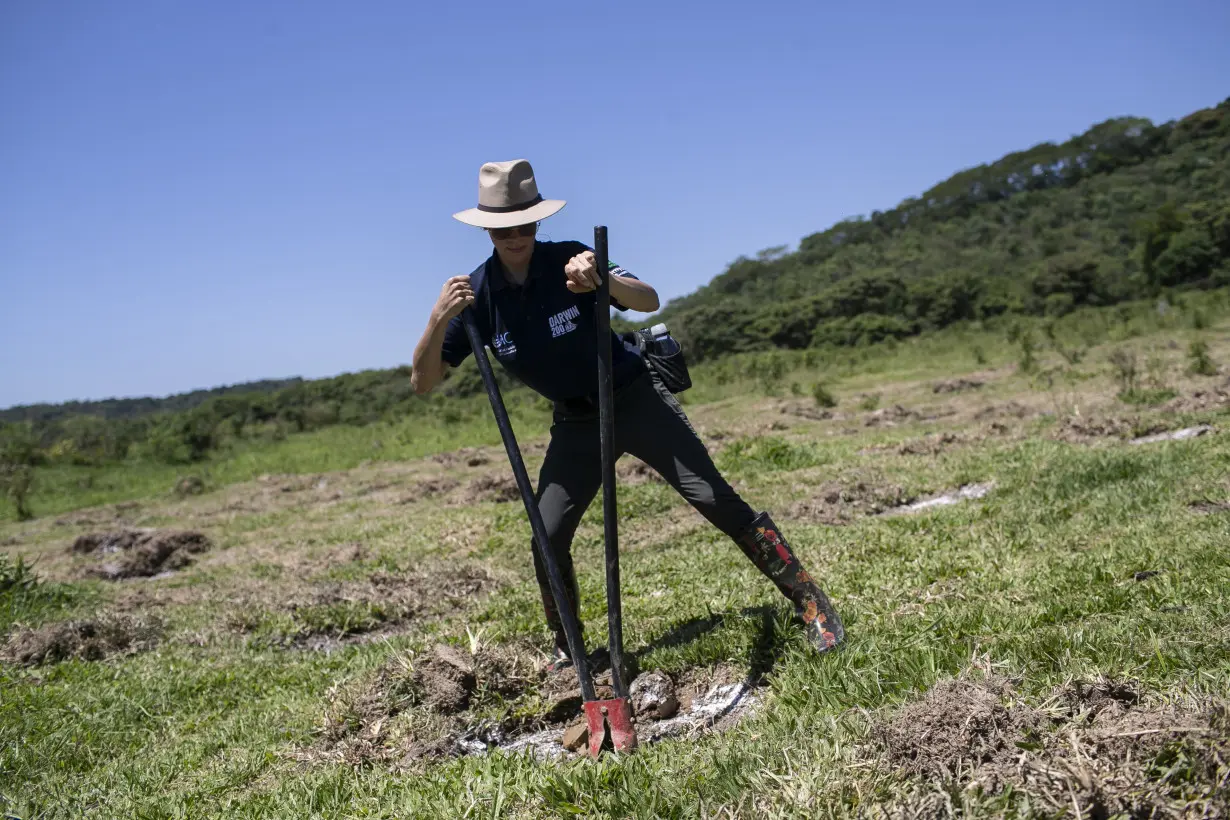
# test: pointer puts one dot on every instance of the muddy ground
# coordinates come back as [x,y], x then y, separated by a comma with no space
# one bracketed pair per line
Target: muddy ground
[1099,748]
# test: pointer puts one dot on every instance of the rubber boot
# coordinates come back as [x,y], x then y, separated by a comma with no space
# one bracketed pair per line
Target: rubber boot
[561,657]
[763,543]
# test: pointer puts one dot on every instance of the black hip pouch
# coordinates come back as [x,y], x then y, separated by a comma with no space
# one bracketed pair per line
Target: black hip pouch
[662,352]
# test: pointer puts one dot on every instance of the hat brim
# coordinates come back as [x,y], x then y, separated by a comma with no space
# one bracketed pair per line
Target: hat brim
[511,219]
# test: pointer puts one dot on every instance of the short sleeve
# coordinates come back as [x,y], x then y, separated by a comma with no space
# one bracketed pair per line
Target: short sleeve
[616,270]
[456,343]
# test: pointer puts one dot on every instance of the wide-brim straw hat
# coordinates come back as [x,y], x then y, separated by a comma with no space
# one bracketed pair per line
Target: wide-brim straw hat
[508,196]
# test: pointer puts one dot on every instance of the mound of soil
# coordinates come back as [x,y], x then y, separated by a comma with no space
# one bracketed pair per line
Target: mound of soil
[140,553]
[91,639]
[891,416]
[837,504]
[1200,401]
[498,488]
[1096,747]
[956,386]
[469,456]
[1078,430]
[1011,409]
[931,445]
[631,470]
[430,488]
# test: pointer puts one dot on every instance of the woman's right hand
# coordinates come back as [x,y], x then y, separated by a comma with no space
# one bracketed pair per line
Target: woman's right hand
[455,297]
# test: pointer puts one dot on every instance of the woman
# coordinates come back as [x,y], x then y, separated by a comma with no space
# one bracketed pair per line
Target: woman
[534,307]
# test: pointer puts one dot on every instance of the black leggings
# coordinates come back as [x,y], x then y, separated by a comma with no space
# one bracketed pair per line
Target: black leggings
[649,424]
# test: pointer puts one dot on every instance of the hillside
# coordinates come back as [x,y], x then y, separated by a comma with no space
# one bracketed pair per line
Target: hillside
[1122,211]
[1125,211]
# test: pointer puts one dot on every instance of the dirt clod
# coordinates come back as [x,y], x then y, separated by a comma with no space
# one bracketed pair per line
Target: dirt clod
[91,639]
[653,693]
[575,737]
[140,553]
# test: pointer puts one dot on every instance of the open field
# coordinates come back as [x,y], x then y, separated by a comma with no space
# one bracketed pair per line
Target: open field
[1057,646]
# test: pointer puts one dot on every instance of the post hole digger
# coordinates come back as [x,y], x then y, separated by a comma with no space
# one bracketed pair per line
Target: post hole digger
[610,722]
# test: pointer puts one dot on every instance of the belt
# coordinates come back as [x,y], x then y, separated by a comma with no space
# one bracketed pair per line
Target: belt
[628,372]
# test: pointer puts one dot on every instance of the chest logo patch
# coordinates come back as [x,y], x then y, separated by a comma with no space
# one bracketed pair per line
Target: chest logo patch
[562,323]
[504,345]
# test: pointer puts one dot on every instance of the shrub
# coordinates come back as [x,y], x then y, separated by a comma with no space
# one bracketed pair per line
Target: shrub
[823,397]
[1200,363]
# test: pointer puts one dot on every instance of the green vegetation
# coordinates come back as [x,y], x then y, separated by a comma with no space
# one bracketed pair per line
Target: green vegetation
[1089,559]
[1126,211]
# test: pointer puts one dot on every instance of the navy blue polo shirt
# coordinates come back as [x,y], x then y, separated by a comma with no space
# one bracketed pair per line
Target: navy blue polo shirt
[543,334]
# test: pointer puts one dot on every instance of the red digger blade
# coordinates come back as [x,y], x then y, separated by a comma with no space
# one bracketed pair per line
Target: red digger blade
[610,719]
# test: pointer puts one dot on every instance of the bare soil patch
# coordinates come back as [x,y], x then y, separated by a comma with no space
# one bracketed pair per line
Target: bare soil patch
[140,553]
[1010,409]
[325,616]
[891,416]
[1082,430]
[498,488]
[631,470]
[1209,507]
[448,702]
[837,504]
[1097,747]
[469,456]
[1203,400]
[956,386]
[931,445]
[430,488]
[91,639]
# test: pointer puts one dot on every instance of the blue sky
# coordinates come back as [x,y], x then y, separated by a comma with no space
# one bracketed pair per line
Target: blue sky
[197,194]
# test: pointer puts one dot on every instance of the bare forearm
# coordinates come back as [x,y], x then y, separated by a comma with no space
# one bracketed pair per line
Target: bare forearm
[429,365]
[634,294]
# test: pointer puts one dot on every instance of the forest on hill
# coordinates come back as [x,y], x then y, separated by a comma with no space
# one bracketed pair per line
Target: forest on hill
[1126,210]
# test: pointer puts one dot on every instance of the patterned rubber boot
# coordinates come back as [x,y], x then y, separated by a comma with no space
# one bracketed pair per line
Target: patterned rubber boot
[764,544]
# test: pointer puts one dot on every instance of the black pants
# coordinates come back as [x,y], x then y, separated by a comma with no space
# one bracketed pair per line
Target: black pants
[649,424]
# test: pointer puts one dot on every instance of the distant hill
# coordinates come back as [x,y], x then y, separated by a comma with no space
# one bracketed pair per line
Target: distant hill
[1126,210]
[1121,211]
[138,407]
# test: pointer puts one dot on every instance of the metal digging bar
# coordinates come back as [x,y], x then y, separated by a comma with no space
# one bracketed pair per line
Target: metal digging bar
[609,718]
[572,631]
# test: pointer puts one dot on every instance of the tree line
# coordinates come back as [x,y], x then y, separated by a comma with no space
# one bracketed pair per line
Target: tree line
[1126,210]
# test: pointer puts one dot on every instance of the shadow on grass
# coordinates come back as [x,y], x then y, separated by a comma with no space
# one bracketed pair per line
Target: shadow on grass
[762,655]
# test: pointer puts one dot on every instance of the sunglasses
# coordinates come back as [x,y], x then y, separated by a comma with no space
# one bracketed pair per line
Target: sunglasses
[509,233]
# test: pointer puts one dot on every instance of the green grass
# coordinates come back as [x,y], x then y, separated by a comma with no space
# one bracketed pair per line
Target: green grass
[1037,580]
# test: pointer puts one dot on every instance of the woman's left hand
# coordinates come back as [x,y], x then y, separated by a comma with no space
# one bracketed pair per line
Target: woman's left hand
[582,273]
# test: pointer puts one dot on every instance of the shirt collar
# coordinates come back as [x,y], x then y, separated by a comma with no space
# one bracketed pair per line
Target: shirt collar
[497,280]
